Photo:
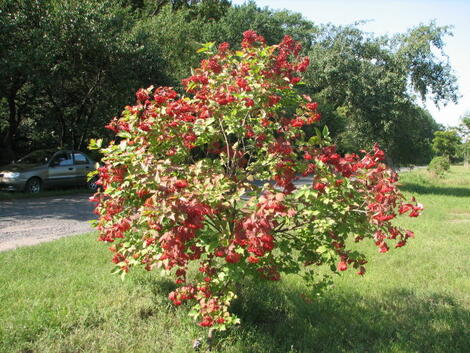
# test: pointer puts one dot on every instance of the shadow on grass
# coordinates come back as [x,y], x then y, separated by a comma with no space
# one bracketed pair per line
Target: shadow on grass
[435,190]
[274,320]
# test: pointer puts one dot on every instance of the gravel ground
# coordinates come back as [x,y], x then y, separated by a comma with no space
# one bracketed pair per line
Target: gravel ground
[32,221]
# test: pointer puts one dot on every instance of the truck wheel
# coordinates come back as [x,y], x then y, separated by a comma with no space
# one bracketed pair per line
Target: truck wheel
[92,185]
[33,185]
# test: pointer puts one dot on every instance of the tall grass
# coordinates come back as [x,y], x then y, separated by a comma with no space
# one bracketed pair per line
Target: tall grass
[61,297]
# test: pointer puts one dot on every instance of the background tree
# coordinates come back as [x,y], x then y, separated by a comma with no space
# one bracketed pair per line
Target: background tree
[76,61]
[99,52]
[464,130]
[367,82]
[22,25]
[446,143]
[94,59]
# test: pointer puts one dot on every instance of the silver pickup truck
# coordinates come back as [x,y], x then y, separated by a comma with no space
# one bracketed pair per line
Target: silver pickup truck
[48,168]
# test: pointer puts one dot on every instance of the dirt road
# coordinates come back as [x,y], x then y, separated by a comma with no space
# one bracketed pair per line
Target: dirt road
[33,221]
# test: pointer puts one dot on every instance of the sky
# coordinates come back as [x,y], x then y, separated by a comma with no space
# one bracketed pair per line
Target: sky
[397,16]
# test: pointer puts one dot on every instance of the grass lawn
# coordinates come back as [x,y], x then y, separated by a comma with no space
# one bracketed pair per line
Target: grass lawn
[61,297]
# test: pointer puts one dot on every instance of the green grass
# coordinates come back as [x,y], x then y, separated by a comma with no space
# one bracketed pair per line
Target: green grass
[61,297]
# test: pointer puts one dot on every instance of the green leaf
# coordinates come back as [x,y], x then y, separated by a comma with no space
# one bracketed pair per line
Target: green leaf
[206,47]
[124,134]
[191,85]
[314,140]
[318,133]
[95,144]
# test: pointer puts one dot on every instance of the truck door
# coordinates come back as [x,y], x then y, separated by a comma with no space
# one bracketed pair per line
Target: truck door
[82,165]
[61,169]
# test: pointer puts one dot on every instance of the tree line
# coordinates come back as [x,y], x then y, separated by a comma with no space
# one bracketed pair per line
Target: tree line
[67,67]
[453,143]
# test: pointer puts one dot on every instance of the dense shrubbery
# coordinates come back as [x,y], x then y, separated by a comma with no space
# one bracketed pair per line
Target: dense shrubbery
[210,178]
[439,165]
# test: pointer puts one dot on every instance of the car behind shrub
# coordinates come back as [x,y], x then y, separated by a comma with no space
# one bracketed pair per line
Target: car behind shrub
[48,168]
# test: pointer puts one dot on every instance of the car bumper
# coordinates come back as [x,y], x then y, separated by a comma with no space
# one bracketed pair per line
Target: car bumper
[12,184]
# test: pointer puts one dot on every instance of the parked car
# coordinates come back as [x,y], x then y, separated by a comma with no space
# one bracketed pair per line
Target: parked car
[48,168]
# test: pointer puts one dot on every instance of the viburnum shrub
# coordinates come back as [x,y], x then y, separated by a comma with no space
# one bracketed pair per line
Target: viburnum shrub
[214,178]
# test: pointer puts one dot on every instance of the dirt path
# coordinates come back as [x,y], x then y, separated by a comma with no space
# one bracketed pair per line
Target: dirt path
[33,221]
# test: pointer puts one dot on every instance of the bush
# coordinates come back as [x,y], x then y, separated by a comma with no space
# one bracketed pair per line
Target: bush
[182,184]
[439,165]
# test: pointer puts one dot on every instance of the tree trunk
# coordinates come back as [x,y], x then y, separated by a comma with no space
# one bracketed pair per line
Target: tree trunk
[13,121]
[8,151]
[210,339]
[62,130]
[84,133]
[72,133]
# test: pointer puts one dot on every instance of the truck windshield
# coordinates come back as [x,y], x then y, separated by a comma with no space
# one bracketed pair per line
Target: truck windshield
[36,157]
